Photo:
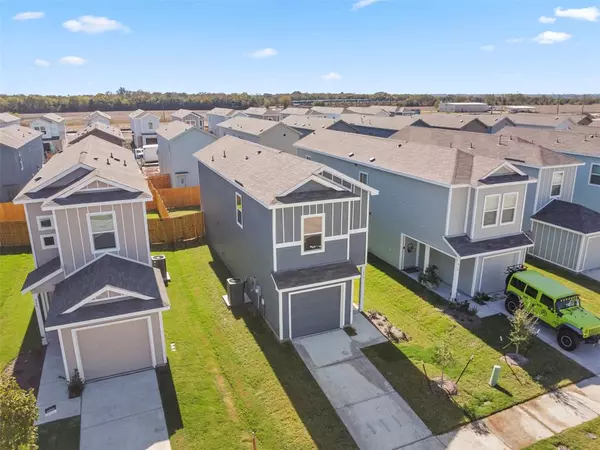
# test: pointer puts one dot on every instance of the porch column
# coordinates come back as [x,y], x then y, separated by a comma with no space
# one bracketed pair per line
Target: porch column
[361,296]
[40,319]
[455,278]
[426,260]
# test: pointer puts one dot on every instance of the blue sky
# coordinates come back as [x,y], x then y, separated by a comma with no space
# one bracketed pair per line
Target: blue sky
[399,46]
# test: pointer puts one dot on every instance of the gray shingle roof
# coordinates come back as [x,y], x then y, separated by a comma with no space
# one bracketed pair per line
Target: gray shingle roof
[367,110]
[16,136]
[308,122]
[100,113]
[464,246]
[563,141]
[136,113]
[225,112]
[413,159]
[384,123]
[173,129]
[9,118]
[499,145]
[260,111]
[571,216]
[250,125]
[454,121]
[327,110]
[181,113]
[493,119]
[296,111]
[100,127]
[315,274]
[52,117]
[41,272]
[540,120]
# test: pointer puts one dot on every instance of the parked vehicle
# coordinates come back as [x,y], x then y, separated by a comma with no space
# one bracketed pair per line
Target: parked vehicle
[150,153]
[552,303]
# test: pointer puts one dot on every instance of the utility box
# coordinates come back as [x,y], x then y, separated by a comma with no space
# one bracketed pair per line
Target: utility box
[235,291]
[160,262]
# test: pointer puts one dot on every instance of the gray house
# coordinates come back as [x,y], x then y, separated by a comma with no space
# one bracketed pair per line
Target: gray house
[437,206]
[189,117]
[495,122]
[541,121]
[107,132]
[21,156]
[262,113]
[217,115]
[380,126]
[462,122]
[7,119]
[307,124]
[293,229]
[273,134]
[177,143]
[98,300]
[294,111]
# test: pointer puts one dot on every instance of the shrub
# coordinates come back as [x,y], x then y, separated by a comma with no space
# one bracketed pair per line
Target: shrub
[18,413]
[481,297]
[430,277]
[75,385]
[522,329]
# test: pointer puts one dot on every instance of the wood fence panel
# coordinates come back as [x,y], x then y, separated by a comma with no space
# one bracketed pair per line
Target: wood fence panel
[13,233]
[157,203]
[180,197]
[10,211]
[176,229]
[160,181]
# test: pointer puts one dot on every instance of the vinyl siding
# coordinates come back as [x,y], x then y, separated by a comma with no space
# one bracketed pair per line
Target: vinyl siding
[478,232]
[556,245]
[466,274]
[544,185]
[458,210]
[291,257]
[592,253]
[12,178]
[42,256]
[587,194]
[444,263]
[280,137]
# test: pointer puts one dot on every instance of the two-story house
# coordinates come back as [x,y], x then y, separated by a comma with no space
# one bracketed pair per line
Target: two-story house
[293,229]
[294,111]
[329,112]
[462,122]
[54,131]
[7,119]
[96,293]
[307,124]
[266,132]
[97,117]
[262,113]
[189,117]
[495,122]
[542,121]
[217,115]
[143,127]
[109,133]
[437,206]
[21,156]
[380,126]
[177,143]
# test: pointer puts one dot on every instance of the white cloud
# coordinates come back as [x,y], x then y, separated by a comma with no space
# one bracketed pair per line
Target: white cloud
[487,48]
[591,14]
[28,15]
[72,60]
[41,63]
[331,76]
[362,3]
[515,40]
[94,25]
[552,37]
[263,53]
[546,19]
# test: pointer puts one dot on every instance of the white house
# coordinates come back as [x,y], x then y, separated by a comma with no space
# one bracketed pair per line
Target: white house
[265,132]
[143,127]
[329,112]
[218,115]
[263,113]
[53,129]
[467,107]
[97,117]
[189,117]
[7,119]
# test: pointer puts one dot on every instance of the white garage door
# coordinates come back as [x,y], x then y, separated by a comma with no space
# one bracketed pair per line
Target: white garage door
[115,348]
[493,274]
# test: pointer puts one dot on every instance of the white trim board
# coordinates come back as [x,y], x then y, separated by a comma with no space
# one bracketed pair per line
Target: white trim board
[104,320]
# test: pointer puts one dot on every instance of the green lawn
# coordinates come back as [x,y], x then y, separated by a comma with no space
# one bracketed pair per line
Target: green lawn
[420,313]
[60,435]
[583,437]
[229,376]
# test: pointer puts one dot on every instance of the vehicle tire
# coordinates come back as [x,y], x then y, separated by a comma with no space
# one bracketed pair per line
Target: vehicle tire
[512,303]
[567,339]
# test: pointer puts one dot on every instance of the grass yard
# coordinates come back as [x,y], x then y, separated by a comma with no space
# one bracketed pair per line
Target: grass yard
[175,212]
[583,437]
[229,376]
[420,313]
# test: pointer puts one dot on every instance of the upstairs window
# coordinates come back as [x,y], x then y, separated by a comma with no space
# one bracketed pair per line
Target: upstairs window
[239,210]
[491,205]
[557,183]
[312,234]
[48,241]
[363,177]
[595,174]
[509,208]
[45,223]
[150,125]
[103,233]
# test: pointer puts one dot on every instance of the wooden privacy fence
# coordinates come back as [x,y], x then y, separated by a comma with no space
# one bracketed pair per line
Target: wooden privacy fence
[176,229]
[157,203]
[14,233]
[10,211]
[160,181]
[180,197]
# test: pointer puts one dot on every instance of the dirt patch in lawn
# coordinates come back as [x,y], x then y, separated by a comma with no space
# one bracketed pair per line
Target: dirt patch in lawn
[225,395]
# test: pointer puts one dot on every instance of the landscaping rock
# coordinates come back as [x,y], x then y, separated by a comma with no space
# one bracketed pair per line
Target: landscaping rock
[514,359]
[392,332]
[448,386]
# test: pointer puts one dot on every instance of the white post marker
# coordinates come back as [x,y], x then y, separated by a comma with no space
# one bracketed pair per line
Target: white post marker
[495,376]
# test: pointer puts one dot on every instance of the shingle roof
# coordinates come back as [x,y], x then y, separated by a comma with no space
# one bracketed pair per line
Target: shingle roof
[175,128]
[136,113]
[437,164]
[308,122]
[367,110]
[296,111]
[583,129]
[571,216]
[257,111]
[454,121]
[384,123]
[8,118]
[52,117]
[41,272]
[99,113]
[498,146]
[225,112]
[16,136]
[181,113]
[250,125]
[327,110]
[263,172]
[464,246]
[594,123]
[315,274]
[539,120]
[563,141]
[103,128]
[493,119]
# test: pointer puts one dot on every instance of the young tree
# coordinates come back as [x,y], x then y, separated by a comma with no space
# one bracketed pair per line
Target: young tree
[522,329]
[443,357]
[18,413]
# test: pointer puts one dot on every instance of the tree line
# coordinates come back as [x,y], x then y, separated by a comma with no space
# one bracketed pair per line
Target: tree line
[126,100]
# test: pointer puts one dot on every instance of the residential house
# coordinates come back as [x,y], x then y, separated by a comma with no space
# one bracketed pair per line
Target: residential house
[21,156]
[7,119]
[266,132]
[380,126]
[595,123]
[95,291]
[495,122]
[541,121]
[307,124]
[581,119]
[217,115]
[294,230]
[143,127]
[583,129]
[455,122]
[464,107]
[293,111]
[97,117]
[408,111]
[329,112]
[437,206]
[177,143]
[107,132]
[189,117]
[53,129]
[373,110]
[262,113]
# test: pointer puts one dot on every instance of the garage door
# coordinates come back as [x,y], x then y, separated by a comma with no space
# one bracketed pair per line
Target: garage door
[315,311]
[113,349]
[493,274]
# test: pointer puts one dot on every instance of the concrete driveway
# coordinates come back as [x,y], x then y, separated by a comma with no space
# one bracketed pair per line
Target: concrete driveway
[123,412]
[375,415]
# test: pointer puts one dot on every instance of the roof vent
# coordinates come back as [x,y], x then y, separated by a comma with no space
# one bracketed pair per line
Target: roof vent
[471,145]
[224,155]
[239,182]
[37,178]
[246,158]
[557,141]
[258,152]
[371,159]
[399,145]
[95,158]
[107,162]
[124,163]
[212,158]
[351,154]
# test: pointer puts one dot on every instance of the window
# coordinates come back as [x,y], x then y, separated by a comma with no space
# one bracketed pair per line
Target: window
[43,130]
[509,208]
[308,157]
[48,241]
[103,232]
[239,213]
[595,174]
[518,284]
[557,182]
[45,223]
[532,292]
[491,205]
[36,128]
[312,234]
[547,302]
[150,125]
[363,177]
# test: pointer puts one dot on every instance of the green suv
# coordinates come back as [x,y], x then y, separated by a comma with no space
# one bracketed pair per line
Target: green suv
[554,304]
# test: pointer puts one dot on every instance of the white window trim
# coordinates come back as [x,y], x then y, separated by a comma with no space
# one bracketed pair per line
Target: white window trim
[591,173]
[561,184]
[366,175]
[516,194]
[91,234]
[39,223]
[497,211]
[47,247]
[308,216]
[241,209]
